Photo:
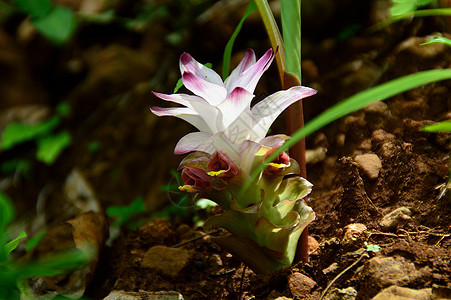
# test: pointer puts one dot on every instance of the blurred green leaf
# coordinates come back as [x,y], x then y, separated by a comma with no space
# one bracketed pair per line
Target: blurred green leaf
[228,48]
[14,243]
[16,165]
[438,39]
[444,126]
[6,211]
[94,146]
[63,109]
[58,25]
[16,133]
[35,8]
[34,241]
[407,6]
[124,214]
[51,146]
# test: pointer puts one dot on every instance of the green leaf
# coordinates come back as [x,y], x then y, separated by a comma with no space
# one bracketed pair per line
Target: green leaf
[58,25]
[6,211]
[94,146]
[354,103]
[9,247]
[16,165]
[34,241]
[444,126]
[51,146]
[273,34]
[228,49]
[35,8]
[124,214]
[291,30]
[438,39]
[16,133]
[373,248]
[402,8]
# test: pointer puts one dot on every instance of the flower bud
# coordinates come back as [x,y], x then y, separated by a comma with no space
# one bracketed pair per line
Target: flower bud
[195,180]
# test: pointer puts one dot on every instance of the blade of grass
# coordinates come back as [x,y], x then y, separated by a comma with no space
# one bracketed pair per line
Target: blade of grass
[274,35]
[353,103]
[415,14]
[228,49]
[291,30]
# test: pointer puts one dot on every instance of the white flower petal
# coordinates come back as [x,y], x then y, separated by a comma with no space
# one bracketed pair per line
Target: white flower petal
[266,111]
[222,142]
[212,93]
[183,113]
[247,61]
[182,99]
[232,107]
[190,65]
[206,111]
[191,142]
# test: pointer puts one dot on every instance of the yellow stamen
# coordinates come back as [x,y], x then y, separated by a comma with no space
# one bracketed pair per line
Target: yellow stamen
[216,173]
[278,166]
[187,188]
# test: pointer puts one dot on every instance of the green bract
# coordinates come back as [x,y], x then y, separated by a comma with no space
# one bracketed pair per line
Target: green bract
[266,221]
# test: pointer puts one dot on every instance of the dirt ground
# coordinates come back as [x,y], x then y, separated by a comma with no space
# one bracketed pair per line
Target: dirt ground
[381,181]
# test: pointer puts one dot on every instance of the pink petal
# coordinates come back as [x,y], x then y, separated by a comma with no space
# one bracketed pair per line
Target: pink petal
[250,77]
[190,65]
[266,111]
[191,142]
[232,107]
[247,61]
[183,113]
[212,93]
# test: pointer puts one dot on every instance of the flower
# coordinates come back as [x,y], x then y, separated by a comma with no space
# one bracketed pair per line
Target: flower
[221,111]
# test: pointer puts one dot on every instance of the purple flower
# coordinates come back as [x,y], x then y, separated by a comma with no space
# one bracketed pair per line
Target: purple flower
[223,109]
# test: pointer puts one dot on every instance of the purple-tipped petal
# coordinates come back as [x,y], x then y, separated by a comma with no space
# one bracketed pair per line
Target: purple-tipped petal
[183,113]
[191,142]
[250,77]
[212,93]
[206,111]
[247,61]
[190,65]
[182,99]
[232,107]
[266,111]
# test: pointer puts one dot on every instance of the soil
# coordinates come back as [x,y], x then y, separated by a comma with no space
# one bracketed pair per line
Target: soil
[106,74]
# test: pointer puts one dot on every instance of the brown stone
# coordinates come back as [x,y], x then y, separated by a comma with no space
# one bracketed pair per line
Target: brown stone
[300,285]
[169,261]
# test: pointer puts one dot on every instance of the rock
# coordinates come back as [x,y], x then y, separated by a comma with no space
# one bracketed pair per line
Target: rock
[169,261]
[402,293]
[370,164]
[353,234]
[392,220]
[380,272]
[300,285]
[331,269]
[163,295]
[349,293]
[313,156]
[313,245]
[380,136]
[378,107]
